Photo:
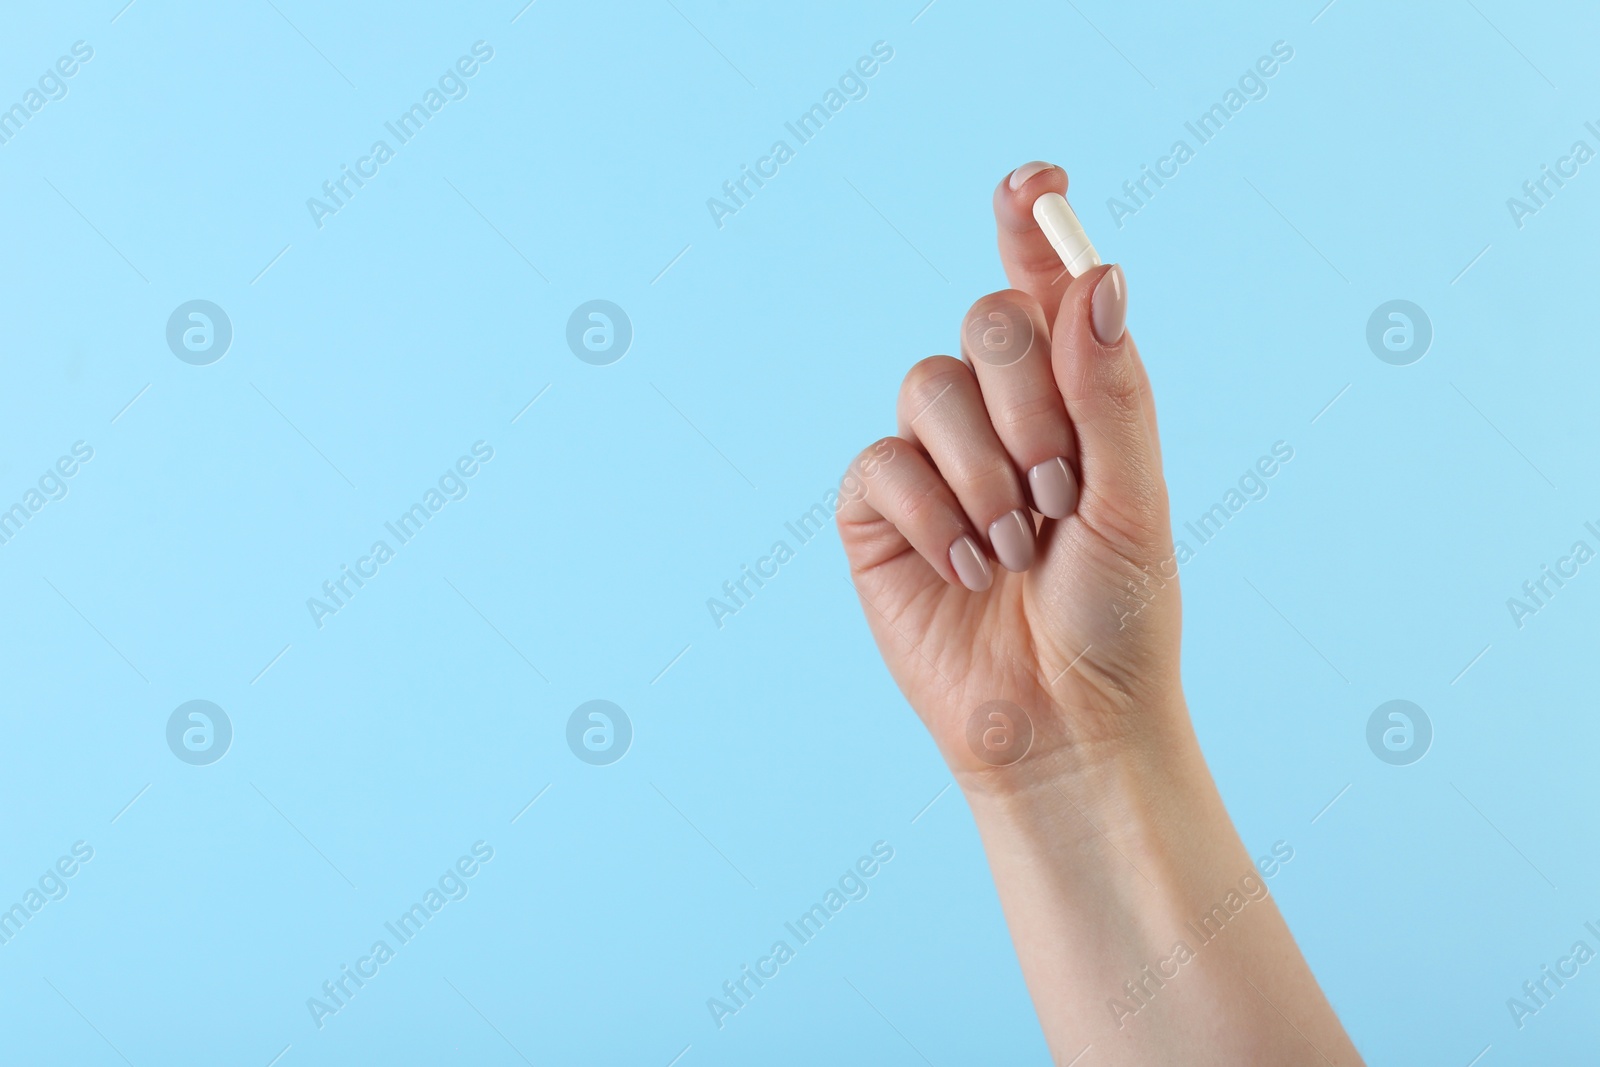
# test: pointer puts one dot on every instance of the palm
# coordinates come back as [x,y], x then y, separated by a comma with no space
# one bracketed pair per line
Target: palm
[1053,636]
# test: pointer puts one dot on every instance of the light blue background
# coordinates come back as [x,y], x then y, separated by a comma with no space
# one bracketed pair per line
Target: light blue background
[775,750]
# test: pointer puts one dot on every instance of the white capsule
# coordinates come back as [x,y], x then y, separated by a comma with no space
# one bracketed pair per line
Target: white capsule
[1065,232]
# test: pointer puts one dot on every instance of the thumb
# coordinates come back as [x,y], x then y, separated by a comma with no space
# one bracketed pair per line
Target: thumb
[1107,393]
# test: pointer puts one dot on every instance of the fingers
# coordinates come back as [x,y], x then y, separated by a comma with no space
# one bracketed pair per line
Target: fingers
[942,409]
[1030,263]
[901,502]
[1103,381]
[1100,376]
[1005,340]
[1079,425]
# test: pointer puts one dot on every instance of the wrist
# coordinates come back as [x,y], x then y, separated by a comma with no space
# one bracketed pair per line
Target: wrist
[1089,755]
[1131,828]
[1139,918]
[1102,857]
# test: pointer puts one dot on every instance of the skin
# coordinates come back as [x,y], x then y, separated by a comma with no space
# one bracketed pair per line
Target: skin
[1107,838]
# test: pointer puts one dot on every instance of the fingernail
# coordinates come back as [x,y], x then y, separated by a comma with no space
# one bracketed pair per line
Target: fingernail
[1108,308]
[1026,171]
[1055,490]
[973,570]
[1012,538]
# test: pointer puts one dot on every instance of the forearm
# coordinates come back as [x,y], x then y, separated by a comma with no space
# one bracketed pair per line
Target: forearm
[1143,926]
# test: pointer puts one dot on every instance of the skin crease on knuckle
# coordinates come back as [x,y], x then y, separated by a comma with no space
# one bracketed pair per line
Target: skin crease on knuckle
[856,485]
[925,506]
[993,477]
[1113,380]
[1039,412]
[1007,302]
[927,382]
[867,464]
[1133,523]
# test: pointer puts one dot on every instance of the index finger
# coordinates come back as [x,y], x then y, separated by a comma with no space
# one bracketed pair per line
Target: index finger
[1030,263]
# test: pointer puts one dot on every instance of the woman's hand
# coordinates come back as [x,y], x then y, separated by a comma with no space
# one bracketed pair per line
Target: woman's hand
[1011,543]
[1013,555]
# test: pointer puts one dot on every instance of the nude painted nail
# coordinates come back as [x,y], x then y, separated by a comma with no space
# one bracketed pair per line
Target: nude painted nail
[1055,488]
[1012,538]
[1108,308]
[973,570]
[1026,171]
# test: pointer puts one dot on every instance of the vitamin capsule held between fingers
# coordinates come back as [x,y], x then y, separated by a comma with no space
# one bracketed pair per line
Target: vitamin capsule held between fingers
[1065,233]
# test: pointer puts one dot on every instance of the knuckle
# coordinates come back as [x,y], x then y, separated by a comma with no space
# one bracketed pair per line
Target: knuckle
[928,380]
[1136,515]
[999,329]
[1123,398]
[922,505]
[1111,384]
[1001,300]
[867,464]
[992,477]
[1040,411]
